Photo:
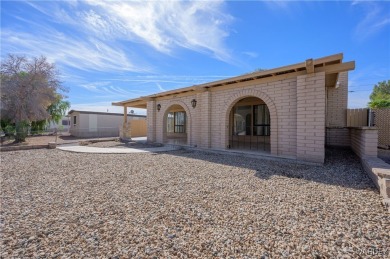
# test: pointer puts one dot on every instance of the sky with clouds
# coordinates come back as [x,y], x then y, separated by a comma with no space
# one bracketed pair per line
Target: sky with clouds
[110,51]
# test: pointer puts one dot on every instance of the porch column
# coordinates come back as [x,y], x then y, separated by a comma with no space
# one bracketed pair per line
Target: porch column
[204,113]
[311,94]
[124,114]
[125,132]
[151,120]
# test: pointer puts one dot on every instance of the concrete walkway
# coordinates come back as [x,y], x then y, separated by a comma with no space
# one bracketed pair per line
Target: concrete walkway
[101,150]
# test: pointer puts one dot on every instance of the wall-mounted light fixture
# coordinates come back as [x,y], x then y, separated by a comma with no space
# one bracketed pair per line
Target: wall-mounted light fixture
[158,107]
[193,103]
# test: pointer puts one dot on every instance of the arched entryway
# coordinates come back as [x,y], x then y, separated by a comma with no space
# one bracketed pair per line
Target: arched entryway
[175,126]
[250,125]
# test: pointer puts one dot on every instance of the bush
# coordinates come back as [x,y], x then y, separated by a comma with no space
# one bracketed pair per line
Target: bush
[21,131]
[9,130]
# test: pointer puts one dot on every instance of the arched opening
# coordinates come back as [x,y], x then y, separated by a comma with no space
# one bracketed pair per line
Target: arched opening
[250,125]
[175,125]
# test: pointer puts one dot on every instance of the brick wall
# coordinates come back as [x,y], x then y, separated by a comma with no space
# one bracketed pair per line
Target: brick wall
[297,110]
[364,141]
[311,117]
[150,122]
[337,101]
[338,137]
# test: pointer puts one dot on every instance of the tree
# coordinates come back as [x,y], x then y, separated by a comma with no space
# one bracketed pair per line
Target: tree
[380,96]
[56,111]
[28,88]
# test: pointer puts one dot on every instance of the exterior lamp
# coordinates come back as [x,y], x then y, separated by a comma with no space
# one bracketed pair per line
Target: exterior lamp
[158,107]
[193,103]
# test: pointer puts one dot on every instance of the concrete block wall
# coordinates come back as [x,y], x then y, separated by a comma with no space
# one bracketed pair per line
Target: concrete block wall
[311,117]
[204,126]
[150,120]
[364,141]
[337,133]
[297,110]
[337,102]
[280,97]
[338,137]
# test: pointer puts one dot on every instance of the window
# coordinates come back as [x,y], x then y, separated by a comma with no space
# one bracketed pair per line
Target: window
[244,125]
[261,120]
[242,120]
[65,122]
[170,122]
[176,122]
[74,120]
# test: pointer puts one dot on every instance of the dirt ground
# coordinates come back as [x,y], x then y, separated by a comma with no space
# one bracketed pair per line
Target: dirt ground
[42,140]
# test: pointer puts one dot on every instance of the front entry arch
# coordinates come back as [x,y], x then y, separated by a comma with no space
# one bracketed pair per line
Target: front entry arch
[264,129]
[249,125]
[176,124]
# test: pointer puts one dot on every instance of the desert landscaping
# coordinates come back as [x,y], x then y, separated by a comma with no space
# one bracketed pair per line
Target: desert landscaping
[187,204]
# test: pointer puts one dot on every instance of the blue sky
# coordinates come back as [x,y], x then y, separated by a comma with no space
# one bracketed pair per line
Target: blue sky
[115,50]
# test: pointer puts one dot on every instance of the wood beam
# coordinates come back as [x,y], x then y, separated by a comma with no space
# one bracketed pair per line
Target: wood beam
[337,68]
[309,66]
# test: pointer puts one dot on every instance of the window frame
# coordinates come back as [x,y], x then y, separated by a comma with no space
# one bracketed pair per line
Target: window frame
[175,127]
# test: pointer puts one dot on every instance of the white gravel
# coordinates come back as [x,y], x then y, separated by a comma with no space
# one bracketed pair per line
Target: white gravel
[187,204]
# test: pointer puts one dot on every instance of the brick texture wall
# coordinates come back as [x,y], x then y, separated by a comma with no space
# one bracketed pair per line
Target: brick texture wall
[297,110]
[337,133]
[311,117]
[364,141]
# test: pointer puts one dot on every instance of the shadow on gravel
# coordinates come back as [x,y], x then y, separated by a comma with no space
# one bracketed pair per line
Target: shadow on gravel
[342,167]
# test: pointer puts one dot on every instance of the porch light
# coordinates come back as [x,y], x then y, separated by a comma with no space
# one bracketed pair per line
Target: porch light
[193,103]
[158,107]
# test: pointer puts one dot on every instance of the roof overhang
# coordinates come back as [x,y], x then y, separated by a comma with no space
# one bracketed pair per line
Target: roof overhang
[331,65]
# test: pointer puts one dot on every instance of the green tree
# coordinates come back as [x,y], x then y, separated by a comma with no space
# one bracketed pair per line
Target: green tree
[56,111]
[28,87]
[380,96]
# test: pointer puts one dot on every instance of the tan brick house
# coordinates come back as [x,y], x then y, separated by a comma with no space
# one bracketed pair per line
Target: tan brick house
[290,111]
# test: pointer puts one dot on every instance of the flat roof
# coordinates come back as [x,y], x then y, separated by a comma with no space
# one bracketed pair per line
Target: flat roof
[330,65]
[105,113]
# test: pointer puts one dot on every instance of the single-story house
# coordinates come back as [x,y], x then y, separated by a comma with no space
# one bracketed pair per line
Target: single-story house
[88,124]
[291,111]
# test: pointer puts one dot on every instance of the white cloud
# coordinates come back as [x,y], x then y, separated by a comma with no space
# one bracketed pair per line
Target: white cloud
[250,54]
[160,87]
[84,54]
[374,20]
[107,89]
[164,25]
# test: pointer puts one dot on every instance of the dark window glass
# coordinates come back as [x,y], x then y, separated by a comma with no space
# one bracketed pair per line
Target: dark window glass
[261,120]
[170,122]
[242,120]
[74,120]
[65,123]
[176,122]
[180,121]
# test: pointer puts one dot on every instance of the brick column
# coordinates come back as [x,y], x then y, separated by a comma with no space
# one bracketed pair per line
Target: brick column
[311,117]
[151,120]
[204,132]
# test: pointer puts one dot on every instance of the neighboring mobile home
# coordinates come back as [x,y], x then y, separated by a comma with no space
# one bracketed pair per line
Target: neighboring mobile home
[87,124]
[290,111]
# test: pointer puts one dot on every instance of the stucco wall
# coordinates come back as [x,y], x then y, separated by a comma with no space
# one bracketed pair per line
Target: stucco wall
[297,108]
[98,125]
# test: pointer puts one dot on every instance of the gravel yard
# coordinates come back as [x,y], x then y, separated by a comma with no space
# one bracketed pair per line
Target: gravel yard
[187,204]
